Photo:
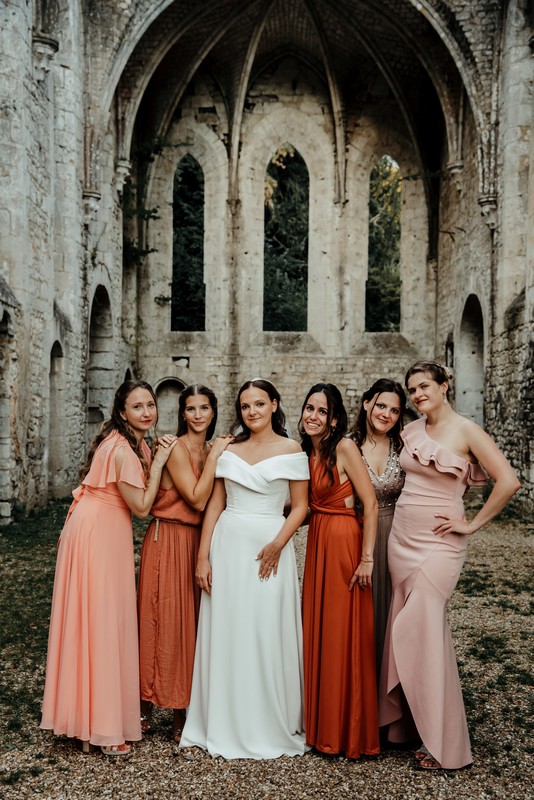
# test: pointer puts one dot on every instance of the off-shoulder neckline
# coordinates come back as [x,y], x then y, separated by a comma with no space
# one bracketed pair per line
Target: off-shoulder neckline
[262,460]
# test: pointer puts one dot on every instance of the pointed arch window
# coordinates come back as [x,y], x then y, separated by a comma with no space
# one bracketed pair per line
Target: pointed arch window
[286,220]
[188,306]
[382,295]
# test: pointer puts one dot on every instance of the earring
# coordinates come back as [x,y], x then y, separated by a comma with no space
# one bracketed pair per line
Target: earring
[444,399]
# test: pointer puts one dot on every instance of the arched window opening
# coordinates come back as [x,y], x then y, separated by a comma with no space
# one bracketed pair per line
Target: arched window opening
[469,360]
[382,295]
[286,222]
[56,440]
[7,398]
[101,366]
[188,307]
[167,394]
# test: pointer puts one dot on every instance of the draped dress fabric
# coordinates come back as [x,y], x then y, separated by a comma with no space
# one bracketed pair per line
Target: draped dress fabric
[420,689]
[340,700]
[387,488]
[246,699]
[92,675]
[169,600]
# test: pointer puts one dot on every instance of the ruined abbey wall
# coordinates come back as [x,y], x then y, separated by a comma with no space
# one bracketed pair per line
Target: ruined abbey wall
[83,86]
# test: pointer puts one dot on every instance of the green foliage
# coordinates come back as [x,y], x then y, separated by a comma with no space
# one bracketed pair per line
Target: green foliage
[286,204]
[188,310]
[382,299]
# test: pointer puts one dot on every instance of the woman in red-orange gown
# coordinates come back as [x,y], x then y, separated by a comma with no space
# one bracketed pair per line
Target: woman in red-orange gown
[340,694]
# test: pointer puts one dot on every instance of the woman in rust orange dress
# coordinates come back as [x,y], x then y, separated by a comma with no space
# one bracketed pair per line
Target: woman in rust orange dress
[340,694]
[168,596]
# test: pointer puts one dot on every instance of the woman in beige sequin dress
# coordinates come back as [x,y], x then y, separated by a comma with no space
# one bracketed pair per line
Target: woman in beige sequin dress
[377,432]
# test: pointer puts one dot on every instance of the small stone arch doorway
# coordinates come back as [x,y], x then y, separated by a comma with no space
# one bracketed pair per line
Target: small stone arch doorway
[469,358]
[168,393]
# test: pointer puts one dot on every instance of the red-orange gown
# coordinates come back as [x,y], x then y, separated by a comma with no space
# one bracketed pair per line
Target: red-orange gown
[169,600]
[340,694]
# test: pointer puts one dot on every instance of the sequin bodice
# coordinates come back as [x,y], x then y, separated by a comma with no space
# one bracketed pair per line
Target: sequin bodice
[387,486]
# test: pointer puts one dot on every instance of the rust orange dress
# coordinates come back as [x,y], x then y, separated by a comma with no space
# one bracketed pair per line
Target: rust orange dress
[169,600]
[340,692]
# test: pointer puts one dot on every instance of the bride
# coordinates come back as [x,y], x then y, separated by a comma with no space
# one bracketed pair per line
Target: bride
[246,698]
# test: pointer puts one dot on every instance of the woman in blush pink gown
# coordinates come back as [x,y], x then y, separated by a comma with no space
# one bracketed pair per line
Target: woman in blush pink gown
[420,692]
[92,677]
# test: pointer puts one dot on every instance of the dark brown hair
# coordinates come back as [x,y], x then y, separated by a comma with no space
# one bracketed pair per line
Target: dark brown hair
[278,418]
[359,430]
[192,391]
[333,434]
[117,423]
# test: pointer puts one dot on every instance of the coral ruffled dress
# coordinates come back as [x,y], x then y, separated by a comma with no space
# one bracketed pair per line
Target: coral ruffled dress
[92,674]
[419,686]
[340,699]
[169,600]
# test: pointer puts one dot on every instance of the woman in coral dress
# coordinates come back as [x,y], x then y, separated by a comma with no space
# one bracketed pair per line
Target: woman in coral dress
[340,698]
[377,432]
[92,678]
[420,692]
[168,595]
[246,699]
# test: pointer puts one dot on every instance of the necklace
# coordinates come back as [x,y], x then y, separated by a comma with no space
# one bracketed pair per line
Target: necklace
[193,446]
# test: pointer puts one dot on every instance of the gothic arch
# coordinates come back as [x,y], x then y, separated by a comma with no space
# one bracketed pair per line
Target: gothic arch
[101,361]
[307,134]
[469,362]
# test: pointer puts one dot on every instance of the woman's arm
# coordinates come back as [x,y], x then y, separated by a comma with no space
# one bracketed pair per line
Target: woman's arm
[138,500]
[506,483]
[195,492]
[216,506]
[349,458]
[269,555]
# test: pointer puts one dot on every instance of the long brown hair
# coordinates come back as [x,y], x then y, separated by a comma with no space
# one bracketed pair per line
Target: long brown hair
[334,434]
[192,391]
[117,423]
[359,430]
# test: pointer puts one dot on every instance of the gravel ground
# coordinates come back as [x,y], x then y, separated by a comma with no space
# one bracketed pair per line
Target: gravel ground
[491,629]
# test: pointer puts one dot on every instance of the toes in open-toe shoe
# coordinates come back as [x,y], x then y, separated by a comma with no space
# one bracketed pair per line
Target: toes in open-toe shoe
[429,762]
[117,749]
[421,753]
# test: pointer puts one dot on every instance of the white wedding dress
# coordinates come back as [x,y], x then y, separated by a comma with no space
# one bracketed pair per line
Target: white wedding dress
[246,698]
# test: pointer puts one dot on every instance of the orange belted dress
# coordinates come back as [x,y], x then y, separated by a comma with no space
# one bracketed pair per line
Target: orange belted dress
[340,694]
[169,600]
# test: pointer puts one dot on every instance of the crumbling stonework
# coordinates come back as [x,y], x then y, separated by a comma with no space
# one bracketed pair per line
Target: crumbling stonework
[99,102]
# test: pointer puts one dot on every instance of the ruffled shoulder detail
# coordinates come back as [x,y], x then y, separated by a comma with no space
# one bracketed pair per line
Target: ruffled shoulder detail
[418,444]
[103,469]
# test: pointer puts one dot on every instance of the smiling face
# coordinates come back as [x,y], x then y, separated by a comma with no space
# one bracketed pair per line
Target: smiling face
[425,393]
[315,416]
[198,413]
[383,412]
[256,409]
[140,412]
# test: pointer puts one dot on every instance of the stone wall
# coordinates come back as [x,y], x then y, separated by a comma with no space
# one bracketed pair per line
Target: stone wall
[445,90]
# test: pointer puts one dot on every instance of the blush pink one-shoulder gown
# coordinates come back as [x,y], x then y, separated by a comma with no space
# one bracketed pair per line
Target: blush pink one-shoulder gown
[420,690]
[92,671]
